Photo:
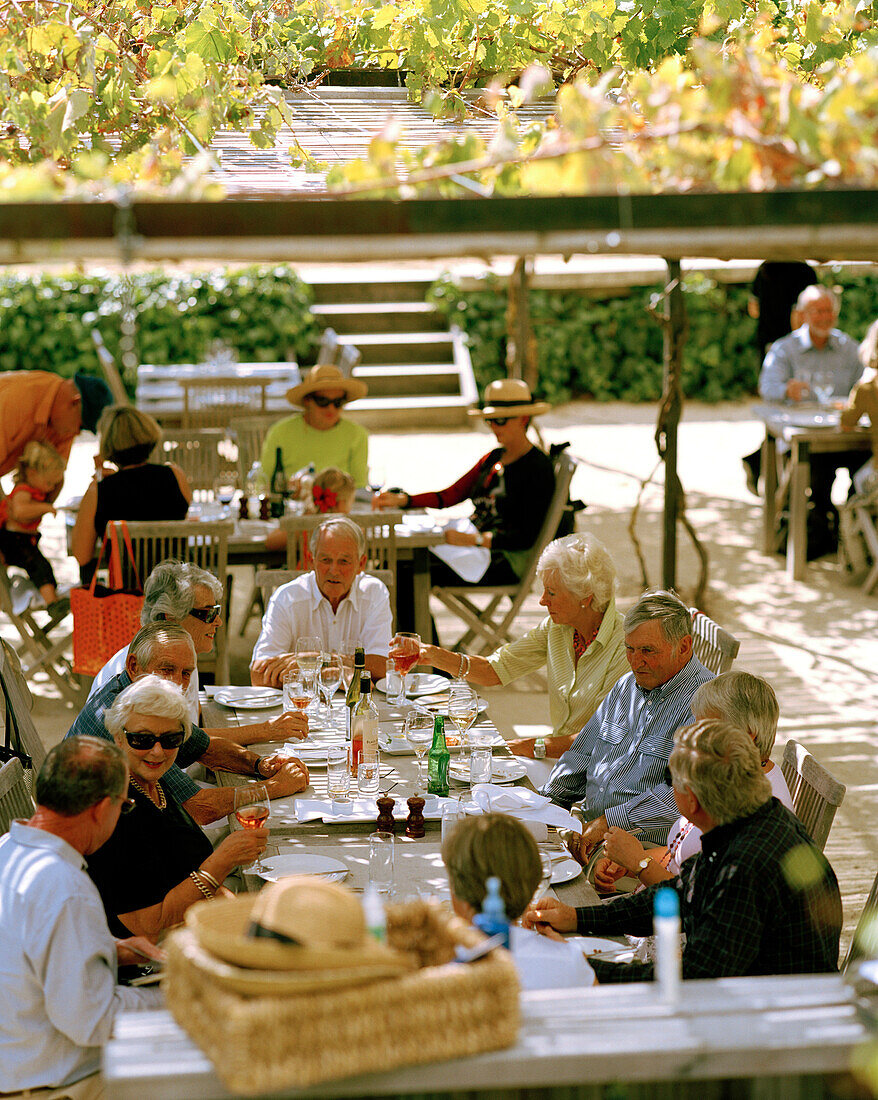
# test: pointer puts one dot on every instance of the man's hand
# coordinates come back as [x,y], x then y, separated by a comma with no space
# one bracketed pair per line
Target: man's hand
[581,845]
[131,951]
[290,778]
[291,725]
[606,874]
[547,913]
[797,390]
[268,671]
[623,848]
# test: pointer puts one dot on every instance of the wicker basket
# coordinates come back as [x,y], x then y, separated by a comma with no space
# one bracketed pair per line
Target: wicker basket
[438,1012]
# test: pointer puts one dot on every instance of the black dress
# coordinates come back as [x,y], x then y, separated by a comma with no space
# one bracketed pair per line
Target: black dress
[150,852]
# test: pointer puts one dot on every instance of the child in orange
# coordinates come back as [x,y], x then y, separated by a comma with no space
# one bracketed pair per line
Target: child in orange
[40,472]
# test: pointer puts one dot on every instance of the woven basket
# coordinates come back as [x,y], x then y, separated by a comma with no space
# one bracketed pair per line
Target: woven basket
[438,1012]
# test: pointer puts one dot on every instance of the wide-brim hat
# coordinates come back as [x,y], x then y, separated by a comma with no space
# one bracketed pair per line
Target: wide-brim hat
[326,377]
[509,397]
[321,925]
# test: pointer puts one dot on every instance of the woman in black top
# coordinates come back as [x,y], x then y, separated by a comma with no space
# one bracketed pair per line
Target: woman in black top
[158,861]
[140,490]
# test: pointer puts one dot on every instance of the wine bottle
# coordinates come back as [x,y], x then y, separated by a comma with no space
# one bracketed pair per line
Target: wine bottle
[438,759]
[364,725]
[278,486]
[353,694]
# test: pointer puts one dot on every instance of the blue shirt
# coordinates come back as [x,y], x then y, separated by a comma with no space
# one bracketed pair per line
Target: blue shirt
[794,356]
[90,722]
[617,762]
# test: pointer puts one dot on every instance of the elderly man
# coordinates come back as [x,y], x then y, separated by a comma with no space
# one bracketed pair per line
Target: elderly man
[166,650]
[617,762]
[333,602]
[758,899]
[180,592]
[57,958]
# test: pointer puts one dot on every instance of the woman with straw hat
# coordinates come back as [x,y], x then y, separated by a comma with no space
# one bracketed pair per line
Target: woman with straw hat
[320,434]
[511,488]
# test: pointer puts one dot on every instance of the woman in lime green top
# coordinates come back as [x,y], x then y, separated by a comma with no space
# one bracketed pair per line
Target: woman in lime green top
[581,642]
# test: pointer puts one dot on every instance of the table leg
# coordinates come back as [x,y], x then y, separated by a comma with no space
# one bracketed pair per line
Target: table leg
[421,590]
[797,537]
[769,486]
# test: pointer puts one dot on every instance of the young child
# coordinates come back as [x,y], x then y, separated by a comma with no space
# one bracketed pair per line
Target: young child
[332,490]
[40,472]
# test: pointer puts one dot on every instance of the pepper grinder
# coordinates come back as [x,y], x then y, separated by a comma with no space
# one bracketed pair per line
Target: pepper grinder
[243,507]
[414,825]
[385,822]
[263,508]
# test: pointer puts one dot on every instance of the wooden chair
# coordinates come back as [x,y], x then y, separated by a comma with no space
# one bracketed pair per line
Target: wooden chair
[328,347]
[15,797]
[816,794]
[864,942]
[110,370]
[379,529]
[210,402]
[198,453]
[205,544]
[20,701]
[485,624]
[268,580]
[714,647]
[248,434]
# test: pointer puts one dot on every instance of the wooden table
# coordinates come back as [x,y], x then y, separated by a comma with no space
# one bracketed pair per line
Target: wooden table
[806,431]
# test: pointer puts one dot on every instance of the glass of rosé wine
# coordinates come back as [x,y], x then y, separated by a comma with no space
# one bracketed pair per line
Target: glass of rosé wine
[405,649]
[252,808]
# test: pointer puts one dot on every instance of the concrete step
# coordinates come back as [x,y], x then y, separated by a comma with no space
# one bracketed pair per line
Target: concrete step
[410,379]
[401,347]
[379,317]
[373,289]
[410,412]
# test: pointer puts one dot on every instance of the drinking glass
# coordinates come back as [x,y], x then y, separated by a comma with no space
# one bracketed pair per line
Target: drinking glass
[381,861]
[480,765]
[823,384]
[368,776]
[298,692]
[224,487]
[463,709]
[546,869]
[405,650]
[451,814]
[418,731]
[346,652]
[329,679]
[309,656]
[394,681]
[252,808]
[338,773]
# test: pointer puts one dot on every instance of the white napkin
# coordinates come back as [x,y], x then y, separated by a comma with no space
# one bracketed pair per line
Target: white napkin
[469,562]
[524,804]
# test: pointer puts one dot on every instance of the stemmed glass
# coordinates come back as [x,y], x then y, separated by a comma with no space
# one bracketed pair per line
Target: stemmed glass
[463,709]
[823,383]
[329,678]
[252,808]
[347,652]
[418,730]
[405,649]
[298,691]
[309,657]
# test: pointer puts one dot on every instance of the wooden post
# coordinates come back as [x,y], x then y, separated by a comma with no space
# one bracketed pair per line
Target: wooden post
[521,357]
[674,339]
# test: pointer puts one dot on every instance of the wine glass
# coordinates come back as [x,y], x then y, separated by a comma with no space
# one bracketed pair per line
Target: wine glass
[346,652]
[463,709]
[224,487]
[329,679]
[823,384]
[405,649]
[298,691]
[418,730]
[252,808]
[309,656]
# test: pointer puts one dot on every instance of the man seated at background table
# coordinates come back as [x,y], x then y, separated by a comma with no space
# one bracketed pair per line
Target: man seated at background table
[166,650]
[616,764]
[758,898]
[334,602]
[57,958]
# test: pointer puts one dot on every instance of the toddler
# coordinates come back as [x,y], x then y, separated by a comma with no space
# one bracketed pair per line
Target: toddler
[40,472]
[331,491]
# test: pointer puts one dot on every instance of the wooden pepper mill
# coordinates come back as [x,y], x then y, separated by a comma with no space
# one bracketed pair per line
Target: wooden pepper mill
[243,508]
[385,822]
[414,825]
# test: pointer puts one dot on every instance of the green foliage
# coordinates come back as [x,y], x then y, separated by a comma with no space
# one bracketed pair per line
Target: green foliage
[610,348]
[261,312]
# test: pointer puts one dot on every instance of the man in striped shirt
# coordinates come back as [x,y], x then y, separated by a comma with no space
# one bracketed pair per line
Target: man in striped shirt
[616,764]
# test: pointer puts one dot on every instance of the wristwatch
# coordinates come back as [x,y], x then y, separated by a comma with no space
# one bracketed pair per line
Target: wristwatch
[480,539]
[540,749]
[643,864]
[256,770]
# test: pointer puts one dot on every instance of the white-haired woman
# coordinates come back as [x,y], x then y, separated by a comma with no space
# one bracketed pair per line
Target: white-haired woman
[580,642]
[158,861]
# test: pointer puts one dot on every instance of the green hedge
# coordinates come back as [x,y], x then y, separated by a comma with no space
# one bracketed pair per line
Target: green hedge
[262,312]
[610,348]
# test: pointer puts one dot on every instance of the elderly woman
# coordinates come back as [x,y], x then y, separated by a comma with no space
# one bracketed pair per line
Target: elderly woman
[158,861]
[581,642]
[139,490]
[740,699]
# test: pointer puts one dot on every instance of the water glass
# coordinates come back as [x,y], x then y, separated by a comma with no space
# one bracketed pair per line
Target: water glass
[338,772]
[381,862]
[480,765]
[450,816]
[368,776]
[394,681]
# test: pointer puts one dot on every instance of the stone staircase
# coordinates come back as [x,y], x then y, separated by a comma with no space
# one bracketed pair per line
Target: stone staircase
[418,370]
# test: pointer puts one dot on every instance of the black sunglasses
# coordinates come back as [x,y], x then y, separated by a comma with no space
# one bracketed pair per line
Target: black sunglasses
[499,420]
[207,614]
[324,402]
[143,742]
[127,805]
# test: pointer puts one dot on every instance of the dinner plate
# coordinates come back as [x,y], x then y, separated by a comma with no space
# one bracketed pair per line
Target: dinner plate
[419,683]
[502,770]
[595,945]
[302,863]
[249,698]
[565,870]
[438,703]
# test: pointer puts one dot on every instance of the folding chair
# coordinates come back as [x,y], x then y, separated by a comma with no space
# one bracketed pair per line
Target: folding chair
[15,798]
[864,942]
[205,544]
[816,794]
[328,347]
[348,358]
[111,371]
[45,648]
[20,701]
[714,647]
[483,623]
[863,508]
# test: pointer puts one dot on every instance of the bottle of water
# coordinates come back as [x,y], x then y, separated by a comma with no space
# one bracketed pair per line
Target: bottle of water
[492,919]
[666,926]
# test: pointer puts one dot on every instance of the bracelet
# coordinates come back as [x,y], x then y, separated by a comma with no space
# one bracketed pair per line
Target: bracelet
[204,890]
[256,770]
[211,880]
[464,667]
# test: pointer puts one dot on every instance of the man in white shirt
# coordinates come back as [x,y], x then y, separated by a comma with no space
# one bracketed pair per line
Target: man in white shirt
[334,602]
[57,958]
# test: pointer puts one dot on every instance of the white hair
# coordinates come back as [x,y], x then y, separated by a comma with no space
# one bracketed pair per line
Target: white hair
[150,695]
[583,566]
[342,525]
[745,701]
[662,607]
[720,764]
[813,293]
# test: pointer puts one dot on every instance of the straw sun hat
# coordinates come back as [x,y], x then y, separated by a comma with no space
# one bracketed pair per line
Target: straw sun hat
[509,397]
[326,377]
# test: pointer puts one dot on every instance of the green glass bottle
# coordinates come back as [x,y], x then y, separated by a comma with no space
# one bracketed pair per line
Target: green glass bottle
[353,695]
[438,759]
[278,493]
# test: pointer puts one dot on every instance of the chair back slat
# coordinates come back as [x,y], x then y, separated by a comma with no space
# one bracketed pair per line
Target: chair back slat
[816,794]
[17,692]
[715,647]
[864,942]
[215,402]
[15,799]
[198,453]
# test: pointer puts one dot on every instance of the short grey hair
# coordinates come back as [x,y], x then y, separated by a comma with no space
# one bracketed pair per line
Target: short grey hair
[149,695]
[169,592]
[720,764]
[745,701]
[78,773]
[340,525]
[665,608]
[148,639]
[583,566]
[813,293]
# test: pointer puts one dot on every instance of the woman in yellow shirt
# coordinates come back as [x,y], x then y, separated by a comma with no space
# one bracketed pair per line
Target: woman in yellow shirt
[581,642]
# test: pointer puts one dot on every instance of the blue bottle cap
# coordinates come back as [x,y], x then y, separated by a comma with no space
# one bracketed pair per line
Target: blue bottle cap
[493,905]
[666,903]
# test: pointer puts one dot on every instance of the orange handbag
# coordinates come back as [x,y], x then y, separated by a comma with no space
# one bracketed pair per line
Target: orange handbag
[106,617]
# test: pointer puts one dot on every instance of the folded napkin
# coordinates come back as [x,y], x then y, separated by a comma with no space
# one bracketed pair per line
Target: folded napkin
[469,562]
[522,803]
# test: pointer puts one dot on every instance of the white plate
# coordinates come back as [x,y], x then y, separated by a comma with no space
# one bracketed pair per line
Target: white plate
[595,945]
[438,703]
[249,698]
[565,870]
[502,770]
[419,683]
[303,864]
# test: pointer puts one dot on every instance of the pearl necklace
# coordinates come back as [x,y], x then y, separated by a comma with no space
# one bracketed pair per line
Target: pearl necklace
[161,802]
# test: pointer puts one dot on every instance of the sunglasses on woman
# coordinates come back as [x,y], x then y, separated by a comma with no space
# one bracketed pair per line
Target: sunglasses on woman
[499,420]
[207,614]
[143,742]
[324,402]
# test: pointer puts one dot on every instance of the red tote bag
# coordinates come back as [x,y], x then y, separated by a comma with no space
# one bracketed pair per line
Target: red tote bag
[106,618]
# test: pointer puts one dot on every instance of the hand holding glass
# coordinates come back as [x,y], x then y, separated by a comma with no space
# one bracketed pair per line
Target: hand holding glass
[252,808]
[405,649]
